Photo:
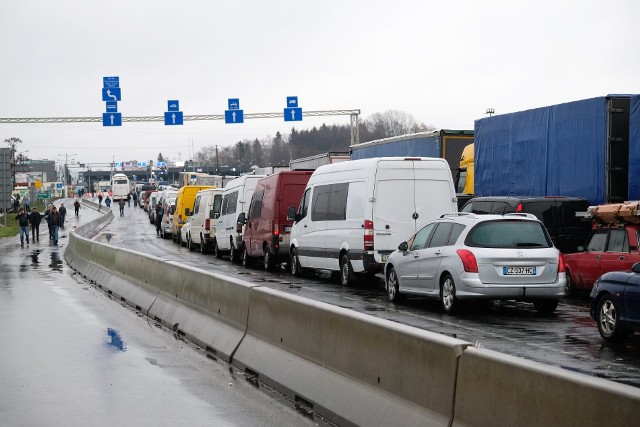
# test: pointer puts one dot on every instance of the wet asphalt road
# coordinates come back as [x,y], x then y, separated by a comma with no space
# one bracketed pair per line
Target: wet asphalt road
[567,339]
[71,356]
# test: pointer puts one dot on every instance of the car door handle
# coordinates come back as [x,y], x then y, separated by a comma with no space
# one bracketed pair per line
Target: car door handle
[416,255]
[621,258]
[305,226]
[598,257]
[439,253]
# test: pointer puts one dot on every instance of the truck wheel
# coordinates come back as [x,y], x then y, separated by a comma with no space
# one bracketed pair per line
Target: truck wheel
[217,252]
[245,257]
[189,244]
[233,255]
[346,271]
[203,247]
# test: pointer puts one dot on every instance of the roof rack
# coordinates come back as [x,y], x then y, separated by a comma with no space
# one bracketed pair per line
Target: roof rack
[614,213]
[522,214]
[455,214]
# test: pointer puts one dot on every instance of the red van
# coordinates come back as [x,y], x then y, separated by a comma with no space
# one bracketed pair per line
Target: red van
[266,234]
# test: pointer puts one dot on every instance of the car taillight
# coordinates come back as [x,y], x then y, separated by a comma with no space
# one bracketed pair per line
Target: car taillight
[207,224]
[561,267]
[368,235]
[468,260]
[519,208]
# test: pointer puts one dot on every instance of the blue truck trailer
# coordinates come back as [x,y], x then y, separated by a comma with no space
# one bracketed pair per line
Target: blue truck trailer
[445,143]
[588,148]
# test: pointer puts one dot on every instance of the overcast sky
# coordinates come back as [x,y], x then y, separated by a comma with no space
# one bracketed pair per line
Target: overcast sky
[444,62]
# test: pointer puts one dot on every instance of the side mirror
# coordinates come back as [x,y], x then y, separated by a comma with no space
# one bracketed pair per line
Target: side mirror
[291,214]
[403,247]
[580,248]
[240,223]
[636,267]
[216,215]
[187,212]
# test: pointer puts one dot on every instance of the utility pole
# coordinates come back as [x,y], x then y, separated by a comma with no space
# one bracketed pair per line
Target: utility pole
[216,160]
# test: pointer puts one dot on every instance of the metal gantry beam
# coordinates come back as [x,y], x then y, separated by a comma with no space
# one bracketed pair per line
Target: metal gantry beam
[20,120]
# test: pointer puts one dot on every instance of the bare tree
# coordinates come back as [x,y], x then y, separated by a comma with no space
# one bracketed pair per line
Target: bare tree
[392,123]
[16,158]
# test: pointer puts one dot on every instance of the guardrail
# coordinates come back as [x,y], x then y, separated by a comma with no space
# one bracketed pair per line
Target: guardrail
[351,368]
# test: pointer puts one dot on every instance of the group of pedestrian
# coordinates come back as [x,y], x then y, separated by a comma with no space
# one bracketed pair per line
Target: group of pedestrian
[53,216]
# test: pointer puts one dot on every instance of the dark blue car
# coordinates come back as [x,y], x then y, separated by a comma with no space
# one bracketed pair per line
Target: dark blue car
[615,303]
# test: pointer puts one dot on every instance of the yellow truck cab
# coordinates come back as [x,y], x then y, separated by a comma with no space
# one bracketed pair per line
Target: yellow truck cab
[184,206]
[465,180]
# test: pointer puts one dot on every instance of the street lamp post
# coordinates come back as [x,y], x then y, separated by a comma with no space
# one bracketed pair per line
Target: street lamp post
[65,182]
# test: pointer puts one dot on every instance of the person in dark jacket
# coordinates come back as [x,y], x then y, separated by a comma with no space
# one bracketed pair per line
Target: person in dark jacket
[47,217]
[34,220]
[63,212]
[23,223]
[76,206]
[159,215]
[54,220]
[122,203]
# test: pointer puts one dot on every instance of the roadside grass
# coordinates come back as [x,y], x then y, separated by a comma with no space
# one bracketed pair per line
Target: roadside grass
[12,228]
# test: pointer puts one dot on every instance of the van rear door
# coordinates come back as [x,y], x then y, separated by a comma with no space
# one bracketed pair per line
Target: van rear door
[408,195]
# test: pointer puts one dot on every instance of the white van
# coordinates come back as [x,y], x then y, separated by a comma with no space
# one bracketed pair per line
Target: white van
[235,200]
[353,214]
[206,211]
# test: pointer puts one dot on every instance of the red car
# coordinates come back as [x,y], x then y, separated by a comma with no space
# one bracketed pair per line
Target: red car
[609,248]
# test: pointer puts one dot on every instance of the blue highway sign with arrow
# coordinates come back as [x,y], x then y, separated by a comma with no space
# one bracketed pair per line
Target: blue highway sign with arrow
[111,94]
[292,114]
[173,118]
[234,116]
[111,119]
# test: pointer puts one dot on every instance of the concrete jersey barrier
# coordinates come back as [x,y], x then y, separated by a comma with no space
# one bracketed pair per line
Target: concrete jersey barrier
[350,367]
[495,389]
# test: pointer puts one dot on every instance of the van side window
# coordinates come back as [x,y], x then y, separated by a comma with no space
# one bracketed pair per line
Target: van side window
[196,205]
[320,203]
[217,201]
[225,202]
[232,203]
[304,204]
[256,204]
[598,240]
[338,202]
[618,241]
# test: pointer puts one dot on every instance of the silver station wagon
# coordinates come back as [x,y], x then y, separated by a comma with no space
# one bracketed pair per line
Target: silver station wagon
[465,256]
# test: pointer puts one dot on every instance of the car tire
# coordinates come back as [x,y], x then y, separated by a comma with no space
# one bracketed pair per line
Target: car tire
[608,320]
[296,269]
[545,306]
[217,252]
[346,271]
[570,287]
[393,285]
[448,298]
[203,247]
[268,260]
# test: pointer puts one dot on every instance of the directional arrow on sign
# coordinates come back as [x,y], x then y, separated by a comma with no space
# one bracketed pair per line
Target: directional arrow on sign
[234,116]
[292,114]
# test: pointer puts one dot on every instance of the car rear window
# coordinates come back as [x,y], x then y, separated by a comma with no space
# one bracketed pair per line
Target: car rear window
[508,234]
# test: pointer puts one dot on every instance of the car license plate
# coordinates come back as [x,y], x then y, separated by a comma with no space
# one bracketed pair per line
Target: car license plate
[287,229]
[519,271]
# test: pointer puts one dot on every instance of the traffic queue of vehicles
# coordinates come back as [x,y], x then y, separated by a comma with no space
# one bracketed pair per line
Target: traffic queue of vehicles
[398,217]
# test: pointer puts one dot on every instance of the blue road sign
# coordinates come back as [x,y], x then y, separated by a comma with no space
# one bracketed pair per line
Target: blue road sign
[173,105]
[112,107]
[234,116]
[111,94]
[292,101]
[234,104]
[173,118]
[118,164]
[161,164]
[111,119]
[292,114]
[142,164]
[111,82]
[58,185]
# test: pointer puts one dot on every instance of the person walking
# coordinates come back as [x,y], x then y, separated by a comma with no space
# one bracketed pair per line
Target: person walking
[121,203]
[76,206]
[47,217]
[54,220]
[63,213]
[129,199]
[99,201]
[107,202]
[159,215]
[23,223]
[34,220]
[135,199]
